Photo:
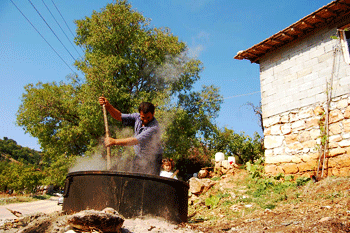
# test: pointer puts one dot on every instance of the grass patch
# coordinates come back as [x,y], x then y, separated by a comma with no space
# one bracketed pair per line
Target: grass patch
[5,200]
[254,192]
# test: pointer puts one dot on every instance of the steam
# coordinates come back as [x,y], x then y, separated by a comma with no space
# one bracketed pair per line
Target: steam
[89,163]
[121,157]
[172,68]
[161,77]
[170,71]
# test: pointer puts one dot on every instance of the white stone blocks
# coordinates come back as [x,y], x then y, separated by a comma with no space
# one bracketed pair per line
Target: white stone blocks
[294,137]
[273,141]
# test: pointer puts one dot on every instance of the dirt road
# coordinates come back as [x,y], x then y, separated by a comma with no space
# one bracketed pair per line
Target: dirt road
[43,206]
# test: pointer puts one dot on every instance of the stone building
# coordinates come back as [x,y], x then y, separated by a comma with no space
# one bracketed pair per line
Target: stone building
[305,93]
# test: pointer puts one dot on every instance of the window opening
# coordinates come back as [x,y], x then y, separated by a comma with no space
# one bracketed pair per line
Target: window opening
[345,42]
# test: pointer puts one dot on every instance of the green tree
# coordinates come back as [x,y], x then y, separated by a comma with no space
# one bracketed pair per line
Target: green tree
[20,177]
[244,147]
[125,60]
[193,121]
[9,150]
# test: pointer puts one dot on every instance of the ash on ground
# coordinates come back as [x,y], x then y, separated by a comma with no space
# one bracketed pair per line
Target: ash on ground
[90,221]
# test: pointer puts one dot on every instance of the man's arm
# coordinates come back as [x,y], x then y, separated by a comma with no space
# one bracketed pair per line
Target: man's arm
[121,142]
[115,113]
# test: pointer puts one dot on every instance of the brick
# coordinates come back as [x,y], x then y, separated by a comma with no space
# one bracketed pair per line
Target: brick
[342,103]
[335,138]
[335,152]
[304,136]
[342,160]
[335,129]
[273,141]
[306,149]
[267,131]
[304,72]
[271,169]
[296,159]
[306,114]
[290,168]
[344,171]
[315,133]
[346,125]
[279,159]
[286,129]
[271,121]
[334,171]
[292,138]
[293,117]
[268,153]
[308,166]
[312,122]
[319,111]
[347,112]
[285,118]
[295,146]
[325,57]
[310,156]
[276,129]
[335,116]
[333,145]
[344,143]
[298,125]
[278,151]
[309,144]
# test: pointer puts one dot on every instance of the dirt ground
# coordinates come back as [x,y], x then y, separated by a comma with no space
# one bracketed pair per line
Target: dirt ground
[323,206]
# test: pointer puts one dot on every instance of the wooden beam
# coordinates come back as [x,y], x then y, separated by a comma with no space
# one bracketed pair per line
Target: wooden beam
[331,12]
[296,30]
[345,4]
[277,40]
[319,18]
[287,35]
[307,24]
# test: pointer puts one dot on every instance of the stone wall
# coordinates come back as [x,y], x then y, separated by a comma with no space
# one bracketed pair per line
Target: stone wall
[296,75]
[293,139]
[294,82]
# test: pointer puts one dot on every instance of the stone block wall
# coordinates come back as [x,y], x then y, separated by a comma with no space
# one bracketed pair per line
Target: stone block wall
[293,96]
[293,139]
[295,75]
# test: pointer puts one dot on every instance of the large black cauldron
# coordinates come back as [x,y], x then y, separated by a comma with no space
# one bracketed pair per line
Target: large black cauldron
[131,194]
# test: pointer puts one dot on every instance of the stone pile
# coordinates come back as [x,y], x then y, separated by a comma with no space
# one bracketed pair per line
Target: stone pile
[203,182]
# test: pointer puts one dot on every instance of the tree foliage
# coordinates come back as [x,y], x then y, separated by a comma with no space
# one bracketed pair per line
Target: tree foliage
[10,151]
[128,61]
[23,169]
[125,60]
[19,167]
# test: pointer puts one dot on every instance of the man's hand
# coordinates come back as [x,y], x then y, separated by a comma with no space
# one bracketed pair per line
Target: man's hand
[121,142]
[115,113]
[109,141]
[103,101]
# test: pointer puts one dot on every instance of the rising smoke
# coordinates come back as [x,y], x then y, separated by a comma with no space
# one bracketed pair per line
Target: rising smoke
[160,76]
[121,157]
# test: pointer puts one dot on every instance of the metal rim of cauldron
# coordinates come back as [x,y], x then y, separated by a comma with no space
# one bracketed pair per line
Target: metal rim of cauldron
[178,208]
[114,173]
[103,172]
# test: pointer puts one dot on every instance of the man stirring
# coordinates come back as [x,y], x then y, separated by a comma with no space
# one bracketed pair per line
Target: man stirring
[146,140]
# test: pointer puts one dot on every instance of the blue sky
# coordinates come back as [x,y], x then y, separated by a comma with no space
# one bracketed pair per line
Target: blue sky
[214,30]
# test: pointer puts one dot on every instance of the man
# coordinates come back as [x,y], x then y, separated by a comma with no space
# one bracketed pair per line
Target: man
[146,140]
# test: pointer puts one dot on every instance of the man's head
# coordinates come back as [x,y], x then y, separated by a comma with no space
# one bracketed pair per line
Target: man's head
[146,111]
